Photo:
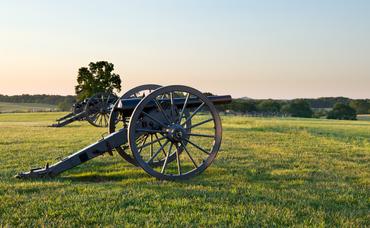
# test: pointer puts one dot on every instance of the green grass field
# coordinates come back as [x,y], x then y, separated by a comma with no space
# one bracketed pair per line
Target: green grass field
[24,107]
[270,172]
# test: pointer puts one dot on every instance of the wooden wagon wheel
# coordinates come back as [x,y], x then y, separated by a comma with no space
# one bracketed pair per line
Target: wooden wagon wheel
[98,108]
[78,107]
[172,129]
[118,120]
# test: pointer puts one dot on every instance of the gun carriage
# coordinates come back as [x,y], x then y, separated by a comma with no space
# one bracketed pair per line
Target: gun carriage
[95,110]
[173,133]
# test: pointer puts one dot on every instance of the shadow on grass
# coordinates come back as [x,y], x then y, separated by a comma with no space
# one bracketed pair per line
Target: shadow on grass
[302,192]
[101,177]
[95,178]
[63,127]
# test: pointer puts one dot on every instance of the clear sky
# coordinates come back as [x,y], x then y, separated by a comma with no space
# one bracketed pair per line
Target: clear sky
[259,49]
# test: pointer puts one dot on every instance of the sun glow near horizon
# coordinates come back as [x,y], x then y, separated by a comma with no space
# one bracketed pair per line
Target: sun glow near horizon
[264,49]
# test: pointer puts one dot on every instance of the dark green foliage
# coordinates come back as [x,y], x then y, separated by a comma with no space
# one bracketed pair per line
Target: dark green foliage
[327,102]
[342,112]
[40,98]
[298,108]
[269,106]
[64,106]
[98,77]
[319,113]
[361,106]
[239,105]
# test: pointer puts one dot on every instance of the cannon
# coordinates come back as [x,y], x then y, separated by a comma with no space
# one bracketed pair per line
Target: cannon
[94,110]
[173,133]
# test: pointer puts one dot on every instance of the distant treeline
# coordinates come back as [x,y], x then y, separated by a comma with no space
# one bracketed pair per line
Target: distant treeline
[319,107]
[296,107]
[42,98]
[64,103]
[329,102]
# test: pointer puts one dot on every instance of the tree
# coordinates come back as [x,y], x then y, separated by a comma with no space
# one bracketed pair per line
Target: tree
[320,113]
[298,108]
[64,105]
[361,106]
[342,112]
[239,105]
[269,106]
[98,77]
[327,102]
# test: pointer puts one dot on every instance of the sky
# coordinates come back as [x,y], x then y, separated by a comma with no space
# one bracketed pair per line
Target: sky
[260,49]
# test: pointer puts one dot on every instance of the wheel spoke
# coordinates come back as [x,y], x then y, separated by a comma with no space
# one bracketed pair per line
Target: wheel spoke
[144,141]
[140,139]
[148,144]
[183,108]
[105,119]
[162,97]
[151,145]
[161,110]
[178,160]
[158,151]
[198,147]
[108,99]
[94,117]
[100,119]
[160,144]
[166,160]
[193,114]
[201,135]
[188,153]
[201,123]
[149,130]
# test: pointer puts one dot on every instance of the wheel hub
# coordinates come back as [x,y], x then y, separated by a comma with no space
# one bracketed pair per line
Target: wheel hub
[176,133]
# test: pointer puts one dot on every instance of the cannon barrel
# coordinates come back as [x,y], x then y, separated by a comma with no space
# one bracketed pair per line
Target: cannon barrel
[127,106]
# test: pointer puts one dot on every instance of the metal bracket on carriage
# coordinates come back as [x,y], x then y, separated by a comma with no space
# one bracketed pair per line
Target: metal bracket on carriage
[108,146]
[36,172]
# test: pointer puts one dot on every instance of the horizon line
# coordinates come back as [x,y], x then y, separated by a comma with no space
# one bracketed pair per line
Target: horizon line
[242,97]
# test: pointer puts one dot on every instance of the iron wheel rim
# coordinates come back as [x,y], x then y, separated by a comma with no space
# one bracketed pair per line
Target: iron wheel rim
[98,109]
[211,153]
[114,117]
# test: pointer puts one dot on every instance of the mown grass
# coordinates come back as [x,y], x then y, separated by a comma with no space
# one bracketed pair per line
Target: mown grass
[269,172]
[6,107]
